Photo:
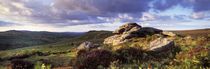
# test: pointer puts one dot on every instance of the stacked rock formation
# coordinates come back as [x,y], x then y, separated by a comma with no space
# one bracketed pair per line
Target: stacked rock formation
[130,30]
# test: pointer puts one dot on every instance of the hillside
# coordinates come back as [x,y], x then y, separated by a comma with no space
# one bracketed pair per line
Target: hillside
[64,54]
[46,51]
[195,33]
[18,39]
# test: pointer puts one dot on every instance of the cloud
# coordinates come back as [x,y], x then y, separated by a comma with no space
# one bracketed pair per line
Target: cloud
[196,5]
[89,11]
[147,17]
[103,7]
[6,24]
[201,5]
[163,5]
[201,15]
[200,8]
[154,17]
[66,12]
[198,15]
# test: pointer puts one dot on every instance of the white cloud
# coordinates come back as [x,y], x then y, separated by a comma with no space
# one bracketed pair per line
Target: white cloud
[147,17]
[201,15]
[198,15]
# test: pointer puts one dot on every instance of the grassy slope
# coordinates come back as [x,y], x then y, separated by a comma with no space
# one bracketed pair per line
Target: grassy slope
[188,52]
[18,39]
[51,51]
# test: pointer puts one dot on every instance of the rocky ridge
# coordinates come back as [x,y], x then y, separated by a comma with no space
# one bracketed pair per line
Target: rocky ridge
[131,30]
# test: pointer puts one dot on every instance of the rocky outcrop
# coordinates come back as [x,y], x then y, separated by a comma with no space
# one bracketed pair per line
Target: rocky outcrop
[161,44]
[172,34]
[126,28]
[86,45]
[130,30]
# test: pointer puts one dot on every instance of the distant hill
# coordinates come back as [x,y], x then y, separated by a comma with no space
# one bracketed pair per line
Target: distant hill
[195,33]
[58,47]
[92,36]
[17,39]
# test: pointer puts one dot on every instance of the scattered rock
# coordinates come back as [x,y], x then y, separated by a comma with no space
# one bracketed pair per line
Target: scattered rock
[172,34]
[85,45]
[161,44]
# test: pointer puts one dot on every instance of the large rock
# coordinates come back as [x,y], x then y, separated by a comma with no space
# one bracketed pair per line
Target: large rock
[126,27]
[86,45]
[113,40]
[148,31]
[134,32]
[172,34]
[128,31]
[161,44]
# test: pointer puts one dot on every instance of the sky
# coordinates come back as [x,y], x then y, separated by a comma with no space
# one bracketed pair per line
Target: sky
[85,15]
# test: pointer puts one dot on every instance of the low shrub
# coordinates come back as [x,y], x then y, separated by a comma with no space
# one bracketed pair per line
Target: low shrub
[93,59]
[197,57]
[129,54]
[21,64]
[82,52]
[45,61]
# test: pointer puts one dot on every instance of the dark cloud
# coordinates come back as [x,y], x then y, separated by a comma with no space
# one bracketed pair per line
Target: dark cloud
[201,5]
[197,5]
[87,11]
[80,12]
[103,7]
[65,12]
[165,4]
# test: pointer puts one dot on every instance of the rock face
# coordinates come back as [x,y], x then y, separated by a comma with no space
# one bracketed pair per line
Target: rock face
[85,45]
[128,31]
[161,44]
[172,34]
